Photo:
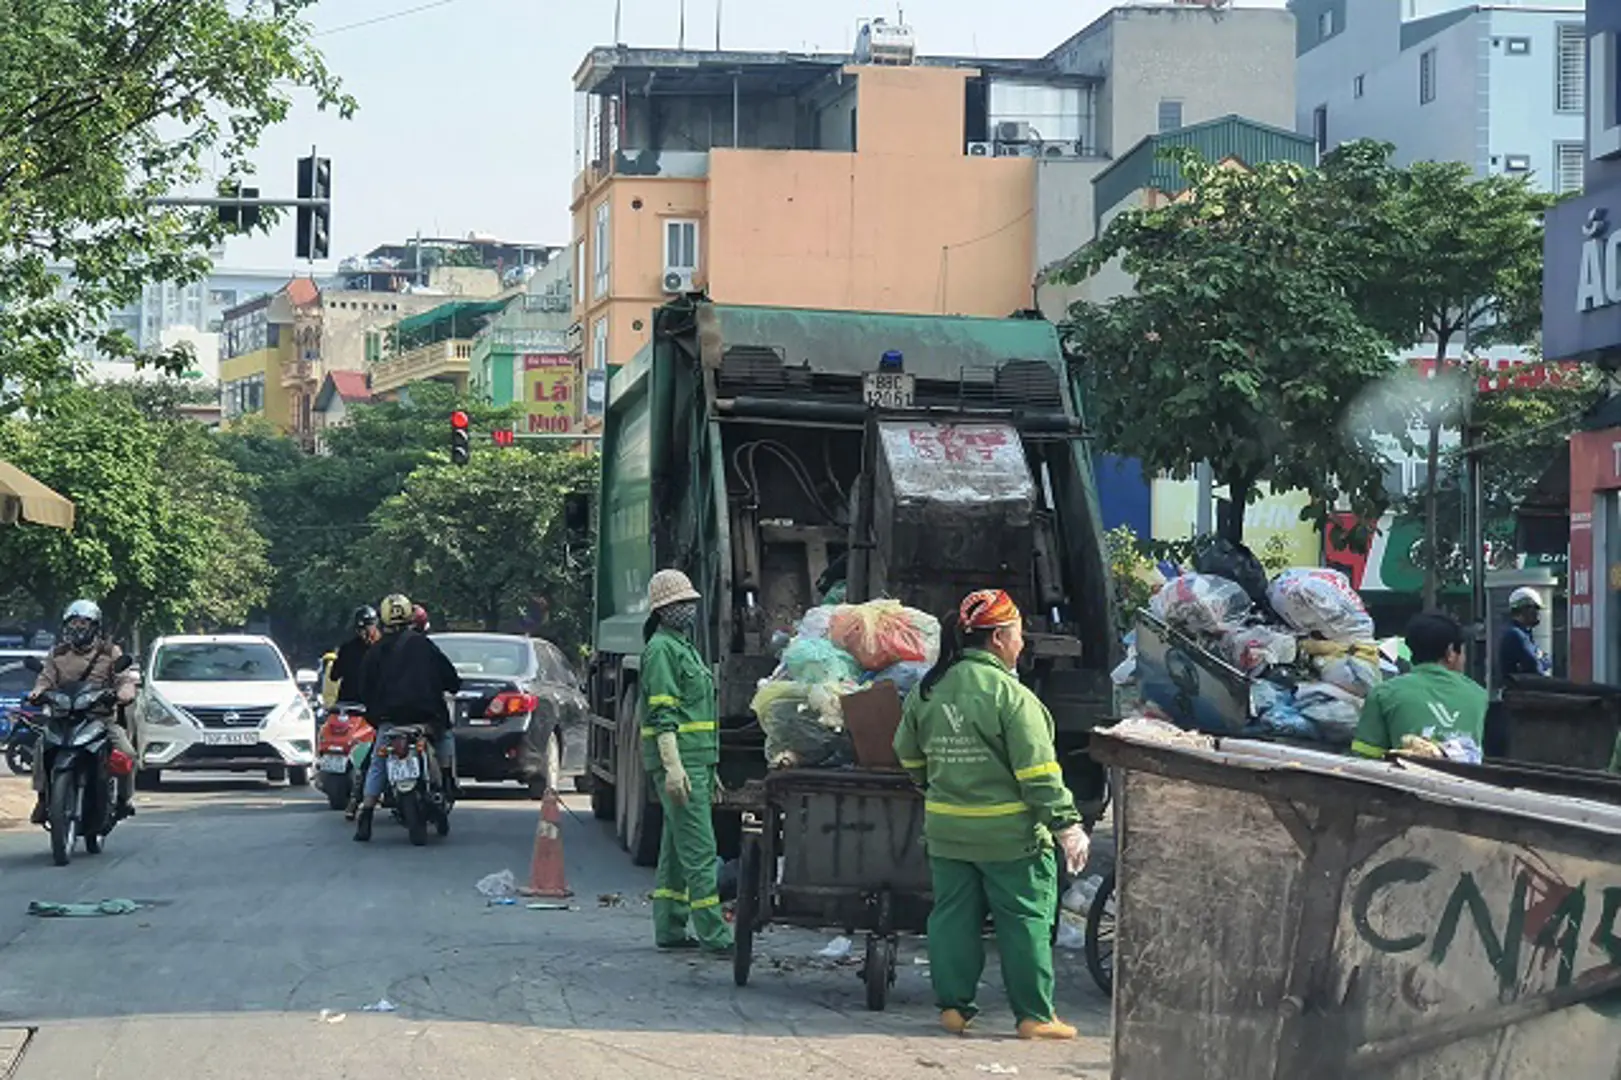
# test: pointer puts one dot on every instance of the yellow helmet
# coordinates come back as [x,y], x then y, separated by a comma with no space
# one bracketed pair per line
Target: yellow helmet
[395,611]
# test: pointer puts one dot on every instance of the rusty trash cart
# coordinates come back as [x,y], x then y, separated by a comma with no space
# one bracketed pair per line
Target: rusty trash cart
[836,848]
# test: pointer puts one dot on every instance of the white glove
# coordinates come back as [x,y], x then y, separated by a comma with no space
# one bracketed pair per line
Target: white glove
[677,784]
[1075,845]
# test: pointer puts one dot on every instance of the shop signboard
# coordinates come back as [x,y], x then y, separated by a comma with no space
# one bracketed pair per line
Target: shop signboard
[550,393]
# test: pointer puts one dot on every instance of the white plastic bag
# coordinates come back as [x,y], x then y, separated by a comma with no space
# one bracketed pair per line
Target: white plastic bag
[1313,600]
[1332,711]
[1200,604]
[1255,648]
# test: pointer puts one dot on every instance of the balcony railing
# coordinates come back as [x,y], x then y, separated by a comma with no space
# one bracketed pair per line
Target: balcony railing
[439,360]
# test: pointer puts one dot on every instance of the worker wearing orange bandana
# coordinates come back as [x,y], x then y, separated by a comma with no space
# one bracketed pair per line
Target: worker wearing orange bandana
[981,746]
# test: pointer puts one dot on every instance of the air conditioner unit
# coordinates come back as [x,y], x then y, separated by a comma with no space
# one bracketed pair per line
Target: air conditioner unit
[1015,149]
[678,279]
[1061,150]
[981,149]
[1012,131]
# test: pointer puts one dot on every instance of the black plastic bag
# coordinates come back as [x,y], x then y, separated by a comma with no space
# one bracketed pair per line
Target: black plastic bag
[1235,562]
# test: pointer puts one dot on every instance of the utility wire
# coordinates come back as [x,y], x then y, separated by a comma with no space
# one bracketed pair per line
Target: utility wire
[384,18]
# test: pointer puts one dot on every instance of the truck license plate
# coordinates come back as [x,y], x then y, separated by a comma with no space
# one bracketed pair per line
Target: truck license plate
[889,390]
[230,738]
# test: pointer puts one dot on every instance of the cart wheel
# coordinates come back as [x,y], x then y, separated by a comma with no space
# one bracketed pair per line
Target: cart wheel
[1100,936]
[747,913]
[879,972]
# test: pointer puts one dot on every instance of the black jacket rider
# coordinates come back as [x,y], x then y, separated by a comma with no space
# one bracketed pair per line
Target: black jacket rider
[404,680]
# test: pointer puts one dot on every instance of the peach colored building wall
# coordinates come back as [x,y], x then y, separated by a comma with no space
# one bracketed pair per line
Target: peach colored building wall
[908,223]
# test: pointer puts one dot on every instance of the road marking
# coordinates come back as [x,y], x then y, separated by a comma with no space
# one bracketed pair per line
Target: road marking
[13,1041]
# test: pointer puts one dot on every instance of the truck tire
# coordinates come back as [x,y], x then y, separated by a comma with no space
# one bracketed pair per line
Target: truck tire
[639,820]
[602,799]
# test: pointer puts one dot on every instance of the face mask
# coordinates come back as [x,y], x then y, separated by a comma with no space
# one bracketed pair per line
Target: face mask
[680,617]
[80,633]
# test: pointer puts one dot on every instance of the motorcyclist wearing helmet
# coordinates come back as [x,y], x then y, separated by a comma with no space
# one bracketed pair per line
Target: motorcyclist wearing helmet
[343,677]
[84,655]
[405,679]
[1517,654]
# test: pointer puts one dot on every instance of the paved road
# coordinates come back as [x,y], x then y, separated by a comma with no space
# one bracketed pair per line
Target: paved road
[262,913]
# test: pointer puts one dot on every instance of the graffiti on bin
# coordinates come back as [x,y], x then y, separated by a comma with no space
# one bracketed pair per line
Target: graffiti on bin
[1539,921]
[953,443]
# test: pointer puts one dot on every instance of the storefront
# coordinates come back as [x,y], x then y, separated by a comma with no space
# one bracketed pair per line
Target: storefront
[1581,320]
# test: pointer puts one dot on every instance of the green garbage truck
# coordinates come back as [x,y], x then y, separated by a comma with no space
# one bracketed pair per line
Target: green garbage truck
[773,452]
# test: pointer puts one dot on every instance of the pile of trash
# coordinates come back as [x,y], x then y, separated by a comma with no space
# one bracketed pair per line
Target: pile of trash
[1303,638]
[836,650]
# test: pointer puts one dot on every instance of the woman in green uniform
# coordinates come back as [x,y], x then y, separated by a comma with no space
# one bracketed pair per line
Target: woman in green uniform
[680,749]
[981,746]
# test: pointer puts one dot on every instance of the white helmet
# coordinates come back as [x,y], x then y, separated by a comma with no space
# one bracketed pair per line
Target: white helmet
[1524,597]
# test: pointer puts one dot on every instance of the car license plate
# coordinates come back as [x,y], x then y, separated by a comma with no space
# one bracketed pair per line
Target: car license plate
[230,738]
[334,763]
[403,769]
[889,390]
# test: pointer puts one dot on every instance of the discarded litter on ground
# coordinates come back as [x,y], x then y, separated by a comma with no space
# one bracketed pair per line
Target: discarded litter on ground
[498,885]
[837,949]
[330,1017]
[51,909]
[382,1005]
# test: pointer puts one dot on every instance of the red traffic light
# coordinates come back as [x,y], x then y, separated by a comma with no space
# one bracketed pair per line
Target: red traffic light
[459,420]
[503,437]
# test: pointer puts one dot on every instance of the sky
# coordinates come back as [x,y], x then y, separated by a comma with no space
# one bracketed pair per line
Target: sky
[466,119]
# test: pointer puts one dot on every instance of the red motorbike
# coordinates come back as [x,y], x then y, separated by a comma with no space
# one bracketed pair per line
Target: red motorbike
[344,741]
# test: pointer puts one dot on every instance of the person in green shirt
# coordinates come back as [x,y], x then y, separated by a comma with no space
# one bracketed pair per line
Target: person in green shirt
[680,750]
[980,745]
[1433,703]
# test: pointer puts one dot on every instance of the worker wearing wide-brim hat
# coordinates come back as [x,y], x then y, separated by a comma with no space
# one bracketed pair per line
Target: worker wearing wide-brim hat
[680,749]
[980,744]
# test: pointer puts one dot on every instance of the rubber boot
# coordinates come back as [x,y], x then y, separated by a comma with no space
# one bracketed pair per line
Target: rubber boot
[363,826]
[1054,1029]
[42,811]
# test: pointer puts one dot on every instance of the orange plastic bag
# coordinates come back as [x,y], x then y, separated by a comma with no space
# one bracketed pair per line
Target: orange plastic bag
[879,633]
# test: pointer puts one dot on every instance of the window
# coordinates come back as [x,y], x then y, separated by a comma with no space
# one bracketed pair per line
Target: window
[1517,46]
[1325,25]
[681,245]
[1517,163]
[1319,127]
[1358,85]
[1570,159]
[1570,92]
[222,297]
[599,248]
[1170,116]
[374,346]
[579,269]
[1426,77]
[599,344]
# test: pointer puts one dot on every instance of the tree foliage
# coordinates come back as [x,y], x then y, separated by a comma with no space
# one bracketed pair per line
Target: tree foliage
[104,106]
[1240,346]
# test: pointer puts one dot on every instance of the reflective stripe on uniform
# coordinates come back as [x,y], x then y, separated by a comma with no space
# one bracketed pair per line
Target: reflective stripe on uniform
[1049,768]
[683,729]
[663,701]
[1007,809]
[913,763]
[708,901]
[1367,749]
[669,894]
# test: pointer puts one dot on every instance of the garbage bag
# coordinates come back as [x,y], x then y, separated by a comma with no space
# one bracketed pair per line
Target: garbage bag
[815,622]
[905,675]
[1255,648]
[1352,674]
[1320,601]
[798,729]
[1286,721]
[1332,711]
[1200,604]
[881,633]
[1224,559]
[818,660]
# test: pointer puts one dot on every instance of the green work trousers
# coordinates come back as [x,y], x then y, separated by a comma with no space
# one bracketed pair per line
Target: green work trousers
[1022,897]
[684,890]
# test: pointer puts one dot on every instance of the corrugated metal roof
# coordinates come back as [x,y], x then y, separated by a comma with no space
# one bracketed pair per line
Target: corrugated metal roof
[1230,137]
[853,342]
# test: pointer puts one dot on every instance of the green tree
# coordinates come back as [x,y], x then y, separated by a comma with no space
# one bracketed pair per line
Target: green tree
[1446,258]
[485,544]
[106,105]
[206,490]
[1240,345]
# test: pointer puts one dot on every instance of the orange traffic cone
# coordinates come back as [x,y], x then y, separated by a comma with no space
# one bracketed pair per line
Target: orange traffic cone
[546,876]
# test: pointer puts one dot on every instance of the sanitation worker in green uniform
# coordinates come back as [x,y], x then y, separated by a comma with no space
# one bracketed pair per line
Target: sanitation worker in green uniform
[981,746]
[680,749]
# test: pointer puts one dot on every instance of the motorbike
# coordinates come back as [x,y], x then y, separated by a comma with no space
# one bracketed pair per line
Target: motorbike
[21,729]
[81,766]
[340,747]
[408,790]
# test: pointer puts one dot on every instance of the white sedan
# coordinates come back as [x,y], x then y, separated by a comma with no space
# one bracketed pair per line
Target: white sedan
[222,702]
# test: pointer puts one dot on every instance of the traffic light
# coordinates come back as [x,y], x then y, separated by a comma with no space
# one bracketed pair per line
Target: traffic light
[314,222]
[504,437]
[238,218]
[461,446]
